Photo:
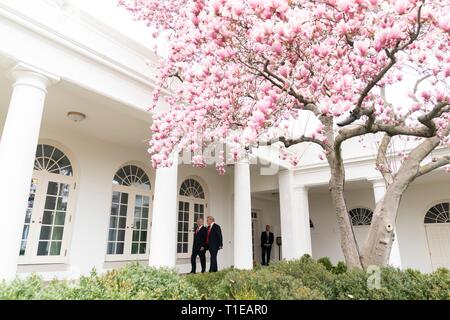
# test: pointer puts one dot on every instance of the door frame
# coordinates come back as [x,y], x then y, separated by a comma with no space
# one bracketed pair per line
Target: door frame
[43,178]
[430,226]
[132,193]
[257,235]
[192,202]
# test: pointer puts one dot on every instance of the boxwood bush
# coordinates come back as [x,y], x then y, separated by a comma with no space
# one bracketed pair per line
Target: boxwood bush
[133,282]
[304,279]
[264,284]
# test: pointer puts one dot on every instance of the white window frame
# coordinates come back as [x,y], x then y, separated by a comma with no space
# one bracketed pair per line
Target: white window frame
[129,227]
[192,201]
[31,257]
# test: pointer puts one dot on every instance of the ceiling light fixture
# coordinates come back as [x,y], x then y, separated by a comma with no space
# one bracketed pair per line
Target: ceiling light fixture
[76,116]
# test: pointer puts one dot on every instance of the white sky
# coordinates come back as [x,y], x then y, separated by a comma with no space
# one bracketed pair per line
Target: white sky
[109,13]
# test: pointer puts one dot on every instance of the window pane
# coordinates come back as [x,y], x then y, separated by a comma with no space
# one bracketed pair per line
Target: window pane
[111,247]
[117,223]
[55,249]
[113,222]
[52,188]
[121,235]
[60,218]
[57,233]
[115,197]
[134,248]
[119,248]
[47,218]
[50,203]
[122,223]
[45,233]
[123,210]
[112,235]
[43,248]
[124,198]
[62,204]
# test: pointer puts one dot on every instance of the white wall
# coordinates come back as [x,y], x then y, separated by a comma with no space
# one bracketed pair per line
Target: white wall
[416,201]
[325,235]
[95,163]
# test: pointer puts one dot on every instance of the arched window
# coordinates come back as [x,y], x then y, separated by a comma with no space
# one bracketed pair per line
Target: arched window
[191,206]
[192,188]
[49,209]
[53,160]
[440,213]
[132,176]
[129,221]
[361,217]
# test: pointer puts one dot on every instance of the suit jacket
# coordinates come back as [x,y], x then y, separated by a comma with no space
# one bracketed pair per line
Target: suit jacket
[199,239]
[215,238]
[265,239]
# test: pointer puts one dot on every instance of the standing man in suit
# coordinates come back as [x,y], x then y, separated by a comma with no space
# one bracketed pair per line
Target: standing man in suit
[266,245]
[214,241]
[199,246]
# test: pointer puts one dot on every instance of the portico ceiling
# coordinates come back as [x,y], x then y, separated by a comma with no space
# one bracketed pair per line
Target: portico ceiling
[106,119]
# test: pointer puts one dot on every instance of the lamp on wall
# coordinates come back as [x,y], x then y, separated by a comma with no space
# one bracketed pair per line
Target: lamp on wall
[76,116]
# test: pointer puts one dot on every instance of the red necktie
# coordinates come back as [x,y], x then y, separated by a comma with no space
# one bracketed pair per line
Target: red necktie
[207,236]
[196,230]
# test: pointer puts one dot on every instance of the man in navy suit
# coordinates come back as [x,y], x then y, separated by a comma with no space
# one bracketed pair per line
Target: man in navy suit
[266,245]
[214,241]
[199,246]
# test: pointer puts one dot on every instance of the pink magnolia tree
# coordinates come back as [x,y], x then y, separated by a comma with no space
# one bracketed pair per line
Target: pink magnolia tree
[247,67]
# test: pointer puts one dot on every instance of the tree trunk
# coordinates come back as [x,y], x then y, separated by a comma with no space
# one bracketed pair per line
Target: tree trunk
[378,245]
[377,248]
[348,241]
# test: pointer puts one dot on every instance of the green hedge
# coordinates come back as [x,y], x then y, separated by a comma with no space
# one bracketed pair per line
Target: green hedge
[133,282]
[304,279]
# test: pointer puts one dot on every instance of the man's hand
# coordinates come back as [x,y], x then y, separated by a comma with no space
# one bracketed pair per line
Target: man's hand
[220,248]
[202,249]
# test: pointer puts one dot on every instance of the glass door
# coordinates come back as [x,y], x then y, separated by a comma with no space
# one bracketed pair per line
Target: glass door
[47,218]
[188,214]
[129,225]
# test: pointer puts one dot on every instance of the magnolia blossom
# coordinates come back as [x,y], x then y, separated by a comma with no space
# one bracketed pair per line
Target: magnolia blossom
[246,66]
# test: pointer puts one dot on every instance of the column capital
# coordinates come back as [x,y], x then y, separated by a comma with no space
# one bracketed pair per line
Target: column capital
[285,172]
[377,182]
[27,75]
[301,187]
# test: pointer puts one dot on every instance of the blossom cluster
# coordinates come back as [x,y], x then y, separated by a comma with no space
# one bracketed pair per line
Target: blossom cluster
[248,66]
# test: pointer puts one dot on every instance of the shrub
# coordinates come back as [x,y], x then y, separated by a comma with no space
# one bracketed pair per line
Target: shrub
[206,283]
[312,274]
[133,282]
[264,284]
[301,279]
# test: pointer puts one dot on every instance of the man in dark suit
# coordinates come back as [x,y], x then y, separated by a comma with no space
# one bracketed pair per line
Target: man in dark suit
[266,245]
[214,241]
[199,246]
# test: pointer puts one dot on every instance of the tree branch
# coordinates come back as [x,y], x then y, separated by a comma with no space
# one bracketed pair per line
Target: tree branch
[291,142]
[435,164]
[381,160]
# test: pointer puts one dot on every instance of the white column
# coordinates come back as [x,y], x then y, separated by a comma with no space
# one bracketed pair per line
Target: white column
[294,215]
[163,240]
[243,248]
[17,153]
[379,190]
